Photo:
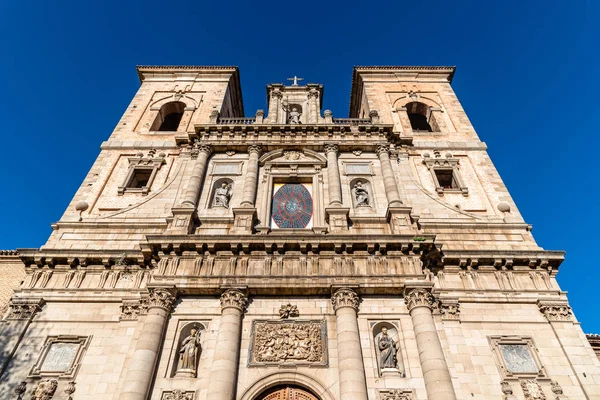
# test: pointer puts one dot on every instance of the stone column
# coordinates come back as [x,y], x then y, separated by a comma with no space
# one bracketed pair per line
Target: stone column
[353,384]
[391,189]
[20,315]
[192,192]
[333,175]
[436,375]
[249,194]
[274,106]
[224,368]
[313,107]
[142,365]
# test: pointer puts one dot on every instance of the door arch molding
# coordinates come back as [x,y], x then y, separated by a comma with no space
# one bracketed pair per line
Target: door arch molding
[287,378]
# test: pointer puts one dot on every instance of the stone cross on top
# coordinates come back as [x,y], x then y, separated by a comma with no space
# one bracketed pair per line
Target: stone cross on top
[295,79]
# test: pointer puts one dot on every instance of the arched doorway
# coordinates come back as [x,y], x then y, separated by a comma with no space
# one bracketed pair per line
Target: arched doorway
[287,392]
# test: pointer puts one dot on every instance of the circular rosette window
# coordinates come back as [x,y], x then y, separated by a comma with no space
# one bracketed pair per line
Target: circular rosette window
[292,206]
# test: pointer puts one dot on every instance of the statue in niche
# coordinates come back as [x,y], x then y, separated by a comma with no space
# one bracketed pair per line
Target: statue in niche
[222,195]
[294,117]
[387,349]
[361,195]
[188,353]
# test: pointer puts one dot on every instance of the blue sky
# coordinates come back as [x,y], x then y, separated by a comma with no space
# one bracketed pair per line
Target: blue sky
[527,75]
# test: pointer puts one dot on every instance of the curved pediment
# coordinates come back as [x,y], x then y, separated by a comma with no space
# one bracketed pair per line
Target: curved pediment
[292,156]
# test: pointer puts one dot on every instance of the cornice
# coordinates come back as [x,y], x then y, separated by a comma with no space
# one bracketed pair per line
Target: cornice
[141,69]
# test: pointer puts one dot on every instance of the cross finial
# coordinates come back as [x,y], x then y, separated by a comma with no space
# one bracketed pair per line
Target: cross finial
[295,79]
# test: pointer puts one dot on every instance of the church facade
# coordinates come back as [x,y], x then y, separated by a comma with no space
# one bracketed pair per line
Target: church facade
[293,256]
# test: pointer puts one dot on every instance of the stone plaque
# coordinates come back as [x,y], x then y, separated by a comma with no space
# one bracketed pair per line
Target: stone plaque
[226,169]
[518,359]
[60,357]
[358,169]
[288,342]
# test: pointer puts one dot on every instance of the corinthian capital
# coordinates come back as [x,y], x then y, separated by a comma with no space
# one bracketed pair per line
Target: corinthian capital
[418,297]
[331,148]
[255,148]
[162,298]
[24,309]
[382,149]
[234,298]
[313,93]
[345,297]
[556,311]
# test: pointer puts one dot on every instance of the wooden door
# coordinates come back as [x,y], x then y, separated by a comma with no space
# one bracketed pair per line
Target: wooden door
[287,393]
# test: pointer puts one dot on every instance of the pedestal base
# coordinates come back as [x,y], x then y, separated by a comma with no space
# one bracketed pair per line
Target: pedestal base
[337,218]
[243,220]
[182,220]
[399,219]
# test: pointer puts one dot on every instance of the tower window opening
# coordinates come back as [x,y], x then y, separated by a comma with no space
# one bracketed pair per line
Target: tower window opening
[169,117]
[140,178]
[419,115]
[446,179]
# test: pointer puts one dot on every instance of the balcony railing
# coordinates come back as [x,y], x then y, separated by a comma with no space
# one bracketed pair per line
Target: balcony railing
[352,121]
[236,121]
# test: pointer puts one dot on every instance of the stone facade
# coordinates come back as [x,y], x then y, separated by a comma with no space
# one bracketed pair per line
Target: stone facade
[208,255]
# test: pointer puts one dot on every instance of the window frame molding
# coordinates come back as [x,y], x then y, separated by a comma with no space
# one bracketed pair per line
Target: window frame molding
[446,164]
[71,372]
[138,163]
[498,340]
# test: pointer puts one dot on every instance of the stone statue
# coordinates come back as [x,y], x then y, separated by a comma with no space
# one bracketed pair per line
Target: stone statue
[294,117]
[222,195]
[387,349]
[188,353]
[361,195]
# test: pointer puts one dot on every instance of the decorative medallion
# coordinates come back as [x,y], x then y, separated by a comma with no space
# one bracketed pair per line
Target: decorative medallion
[532,390]
[288,342]
[288,310]
[396,394]
[292,206]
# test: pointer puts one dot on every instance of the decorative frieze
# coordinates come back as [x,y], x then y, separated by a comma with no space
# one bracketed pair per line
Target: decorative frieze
[234,298]
[396,394]
[132,309]
[450,309]
[178,395]
[24,309]
[418,297]
[556,311]
[345,297]
[161,297]
[289,342]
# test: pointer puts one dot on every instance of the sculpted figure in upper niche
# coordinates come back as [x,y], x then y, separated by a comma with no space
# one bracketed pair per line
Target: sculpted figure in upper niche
[222,195]
[361,195]
[294,117]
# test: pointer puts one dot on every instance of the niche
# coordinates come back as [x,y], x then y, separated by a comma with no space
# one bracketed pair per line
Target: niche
[362,193]
[221,194]
[189,348]
[387,348]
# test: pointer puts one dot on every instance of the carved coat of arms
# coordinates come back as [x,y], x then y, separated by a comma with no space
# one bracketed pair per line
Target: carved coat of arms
[287,341]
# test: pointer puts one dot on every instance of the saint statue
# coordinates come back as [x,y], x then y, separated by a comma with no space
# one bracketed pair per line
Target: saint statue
[222,196]
[361,195]
[294,117]
[188,353]
[387,349]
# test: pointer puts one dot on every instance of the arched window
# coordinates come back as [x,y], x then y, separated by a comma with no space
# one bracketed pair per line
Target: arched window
[169,117]
[419,115]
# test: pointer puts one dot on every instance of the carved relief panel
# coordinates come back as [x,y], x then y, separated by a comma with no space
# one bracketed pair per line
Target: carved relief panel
[295,342]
